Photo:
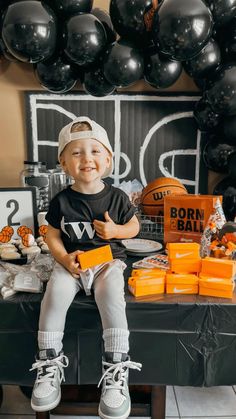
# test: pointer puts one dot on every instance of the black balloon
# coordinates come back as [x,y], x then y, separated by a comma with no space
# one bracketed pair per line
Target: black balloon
[182,29]
[85,39]
[104,17]
[29,31]
[5,3]
[208,59]
[56,75]
[123,64]
[96,84]
[71,7]
[222,95]
[205,83]
[202,84]
[223,11]
[232,165]
[228,50]
[6,53]
[216,155]
[128,18]
[228,41]
[227,188]
[206,119]
[229,128]
[160,71]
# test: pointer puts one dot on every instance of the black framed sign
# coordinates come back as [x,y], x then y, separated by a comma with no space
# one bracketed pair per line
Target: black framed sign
[18,207]
[152,135]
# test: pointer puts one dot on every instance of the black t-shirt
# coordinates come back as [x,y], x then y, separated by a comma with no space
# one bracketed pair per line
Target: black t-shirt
[74,212]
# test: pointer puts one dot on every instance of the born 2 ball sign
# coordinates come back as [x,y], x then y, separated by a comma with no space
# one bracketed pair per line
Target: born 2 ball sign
[186,216]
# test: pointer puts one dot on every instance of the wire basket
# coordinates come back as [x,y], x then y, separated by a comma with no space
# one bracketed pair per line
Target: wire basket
[152,227]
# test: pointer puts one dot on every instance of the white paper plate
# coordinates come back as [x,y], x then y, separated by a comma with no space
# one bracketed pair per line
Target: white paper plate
[142,245]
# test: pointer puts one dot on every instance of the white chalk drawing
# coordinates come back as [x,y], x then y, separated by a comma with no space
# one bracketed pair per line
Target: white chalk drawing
[48,101]
[171,154]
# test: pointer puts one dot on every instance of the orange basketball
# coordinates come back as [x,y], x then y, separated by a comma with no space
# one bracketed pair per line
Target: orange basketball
[27,239]
[22,230]
[8,229]
[4,237]
[43,230]
[152,199]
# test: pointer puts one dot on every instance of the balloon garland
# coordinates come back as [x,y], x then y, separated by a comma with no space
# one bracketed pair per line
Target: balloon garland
[68,40]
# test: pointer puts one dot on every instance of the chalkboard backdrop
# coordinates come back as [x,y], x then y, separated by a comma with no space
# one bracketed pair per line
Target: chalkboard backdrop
[151,135]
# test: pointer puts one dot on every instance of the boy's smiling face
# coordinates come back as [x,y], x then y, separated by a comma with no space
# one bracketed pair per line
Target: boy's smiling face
[85,160]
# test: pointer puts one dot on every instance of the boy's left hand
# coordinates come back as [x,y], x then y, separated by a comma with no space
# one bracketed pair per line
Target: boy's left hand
[106,229]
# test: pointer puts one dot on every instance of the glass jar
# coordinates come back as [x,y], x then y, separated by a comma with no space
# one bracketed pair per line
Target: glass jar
[35,174]
[58,180]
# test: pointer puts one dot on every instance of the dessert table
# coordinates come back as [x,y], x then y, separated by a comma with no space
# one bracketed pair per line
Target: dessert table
[184,340]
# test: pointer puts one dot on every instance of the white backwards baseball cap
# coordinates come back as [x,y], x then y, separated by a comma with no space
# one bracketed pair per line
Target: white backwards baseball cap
[97,132]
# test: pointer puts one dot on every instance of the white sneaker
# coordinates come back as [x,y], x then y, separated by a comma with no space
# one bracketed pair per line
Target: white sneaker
[115,398]
[46,393]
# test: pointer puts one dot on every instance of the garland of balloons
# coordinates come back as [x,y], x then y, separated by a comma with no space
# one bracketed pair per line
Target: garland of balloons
[68,40]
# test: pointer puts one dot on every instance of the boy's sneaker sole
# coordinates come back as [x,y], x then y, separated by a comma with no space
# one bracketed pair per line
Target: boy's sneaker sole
[44,408]
[124,416]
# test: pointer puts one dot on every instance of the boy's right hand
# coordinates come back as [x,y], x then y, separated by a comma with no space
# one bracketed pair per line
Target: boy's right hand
[70,262]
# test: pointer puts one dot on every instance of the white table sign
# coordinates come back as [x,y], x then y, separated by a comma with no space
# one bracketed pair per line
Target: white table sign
[18,207]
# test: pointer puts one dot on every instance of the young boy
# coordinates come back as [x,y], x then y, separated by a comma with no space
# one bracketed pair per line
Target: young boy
[84,216]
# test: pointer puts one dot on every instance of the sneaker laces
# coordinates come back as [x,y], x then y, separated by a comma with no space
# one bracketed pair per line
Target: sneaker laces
[47,369]
[115,374]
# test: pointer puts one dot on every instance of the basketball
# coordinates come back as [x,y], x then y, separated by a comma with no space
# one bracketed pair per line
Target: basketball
[152,198]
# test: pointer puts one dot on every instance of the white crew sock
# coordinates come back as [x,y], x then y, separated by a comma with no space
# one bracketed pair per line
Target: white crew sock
[50,340]
[116,340]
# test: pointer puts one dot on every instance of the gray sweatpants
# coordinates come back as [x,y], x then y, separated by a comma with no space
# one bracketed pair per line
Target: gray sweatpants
[108,287]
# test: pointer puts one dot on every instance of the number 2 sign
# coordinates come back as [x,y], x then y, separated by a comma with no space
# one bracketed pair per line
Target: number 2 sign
[18,207]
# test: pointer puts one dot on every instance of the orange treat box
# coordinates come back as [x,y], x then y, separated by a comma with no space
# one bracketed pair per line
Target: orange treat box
[216,287]
[147,273]
[220,268]
[183,250]
[185,265]
[146,286]
[95,257]
[181,284]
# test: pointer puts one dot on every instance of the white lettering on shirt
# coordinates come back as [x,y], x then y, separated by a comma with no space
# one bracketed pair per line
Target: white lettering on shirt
[86,227]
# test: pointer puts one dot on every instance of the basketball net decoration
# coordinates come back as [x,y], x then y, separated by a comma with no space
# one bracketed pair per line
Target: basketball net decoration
[149,39]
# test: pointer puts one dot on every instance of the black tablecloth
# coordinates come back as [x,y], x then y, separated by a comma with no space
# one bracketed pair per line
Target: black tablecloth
[179,339]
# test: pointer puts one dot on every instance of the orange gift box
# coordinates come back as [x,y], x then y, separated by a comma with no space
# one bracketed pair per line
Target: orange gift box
[147,273]
[220,268]
[185,265]
[181,284]
[183,250]
[216,287]
[146,286]
[95,257]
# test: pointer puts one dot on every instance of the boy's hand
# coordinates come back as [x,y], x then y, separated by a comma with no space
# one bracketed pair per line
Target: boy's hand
[106,229]
[71,264]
